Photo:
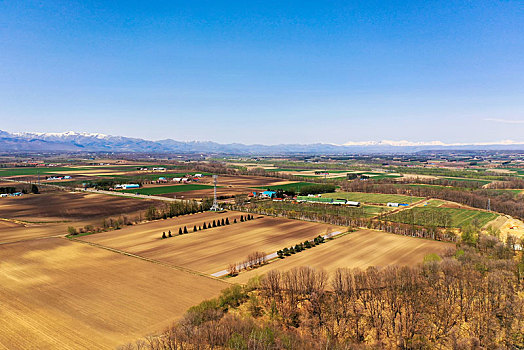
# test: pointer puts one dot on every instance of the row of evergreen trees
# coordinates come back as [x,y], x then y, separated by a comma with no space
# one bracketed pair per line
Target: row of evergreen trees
[300,247]
[214,223]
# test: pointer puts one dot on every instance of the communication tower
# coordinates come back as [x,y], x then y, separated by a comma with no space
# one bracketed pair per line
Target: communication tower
[215,206]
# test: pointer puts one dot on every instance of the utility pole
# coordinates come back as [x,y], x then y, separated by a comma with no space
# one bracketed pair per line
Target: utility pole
[489,204]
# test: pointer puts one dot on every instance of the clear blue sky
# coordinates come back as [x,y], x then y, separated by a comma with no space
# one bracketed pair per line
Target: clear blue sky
[265,71]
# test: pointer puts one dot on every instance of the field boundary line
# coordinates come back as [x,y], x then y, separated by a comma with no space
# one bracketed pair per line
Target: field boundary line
[174,267]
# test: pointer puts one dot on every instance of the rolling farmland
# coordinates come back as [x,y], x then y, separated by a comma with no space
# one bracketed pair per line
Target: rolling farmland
[453,217]
[167,189]
[295,186]
[213,249]
[58,294]
[358,249]
[50,213]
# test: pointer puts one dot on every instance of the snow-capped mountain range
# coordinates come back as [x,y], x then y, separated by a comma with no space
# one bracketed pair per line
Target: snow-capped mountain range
[94,142]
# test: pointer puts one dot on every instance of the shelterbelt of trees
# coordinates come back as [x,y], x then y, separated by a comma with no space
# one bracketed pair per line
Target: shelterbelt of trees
[469,298]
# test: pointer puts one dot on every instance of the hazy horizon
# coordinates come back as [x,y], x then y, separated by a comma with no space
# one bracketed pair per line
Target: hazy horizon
[265,73]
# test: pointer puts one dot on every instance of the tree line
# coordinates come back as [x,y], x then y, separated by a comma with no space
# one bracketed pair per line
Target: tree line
[214,223]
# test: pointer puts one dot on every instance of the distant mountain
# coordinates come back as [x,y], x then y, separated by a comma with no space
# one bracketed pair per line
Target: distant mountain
[93,142]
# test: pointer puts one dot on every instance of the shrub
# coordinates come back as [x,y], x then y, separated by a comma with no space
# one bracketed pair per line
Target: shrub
[163,235]
[72,231]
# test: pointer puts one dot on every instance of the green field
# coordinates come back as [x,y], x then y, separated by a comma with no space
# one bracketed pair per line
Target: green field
[443,217]
[152,176]
[4,172]
[167,189]
[484,182]
[287,187]
[372,197]
[432,203]
[364,211]
[284,169]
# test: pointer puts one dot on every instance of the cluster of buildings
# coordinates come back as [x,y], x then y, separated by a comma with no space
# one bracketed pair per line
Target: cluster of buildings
[185,179]
[126,186]
[396,205]
[16,194]
[263,195]
[66,177]
[332,201]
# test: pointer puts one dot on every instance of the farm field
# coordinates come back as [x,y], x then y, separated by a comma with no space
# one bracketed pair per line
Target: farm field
[22,171]
[167,189]
[433,215]
[295,186]
[358,249]
[246,181]
[208,193]
[362,211]
[484,182]
[50,213]
[58,294]
[372,197]
[210,250]
[61,205]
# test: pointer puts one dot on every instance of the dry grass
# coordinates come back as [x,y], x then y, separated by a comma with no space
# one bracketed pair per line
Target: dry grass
[358,249]
[58,294]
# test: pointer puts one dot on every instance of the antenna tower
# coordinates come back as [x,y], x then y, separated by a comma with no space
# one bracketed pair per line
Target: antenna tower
[215,206]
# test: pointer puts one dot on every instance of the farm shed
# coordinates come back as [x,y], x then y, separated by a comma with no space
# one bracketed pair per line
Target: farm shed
[268,194]
[128,186]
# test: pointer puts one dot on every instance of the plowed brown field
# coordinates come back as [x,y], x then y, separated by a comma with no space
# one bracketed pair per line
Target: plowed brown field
[57,294]
[213,249]
[358,249]
[50,213]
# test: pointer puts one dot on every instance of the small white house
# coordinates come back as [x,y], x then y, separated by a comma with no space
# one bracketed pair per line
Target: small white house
[177,179]
[198,175]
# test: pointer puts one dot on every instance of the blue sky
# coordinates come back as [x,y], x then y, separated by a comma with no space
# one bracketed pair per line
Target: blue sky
[265,71]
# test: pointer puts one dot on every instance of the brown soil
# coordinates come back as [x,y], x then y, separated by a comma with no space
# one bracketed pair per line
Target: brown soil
[213,249]
[58,294]
[358,249]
